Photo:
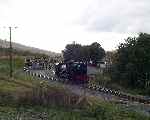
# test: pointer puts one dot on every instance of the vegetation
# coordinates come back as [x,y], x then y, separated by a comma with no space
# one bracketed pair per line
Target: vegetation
[98,112]
[15,52]
[77,52]
[25,97]
[128,67]
[131,66]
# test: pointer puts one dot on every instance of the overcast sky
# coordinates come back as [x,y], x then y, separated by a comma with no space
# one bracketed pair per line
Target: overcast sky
[51,24]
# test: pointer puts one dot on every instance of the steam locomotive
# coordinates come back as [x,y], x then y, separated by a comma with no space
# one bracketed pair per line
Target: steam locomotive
[75,72]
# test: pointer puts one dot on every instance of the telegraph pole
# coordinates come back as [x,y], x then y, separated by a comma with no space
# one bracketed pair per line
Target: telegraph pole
[10,52]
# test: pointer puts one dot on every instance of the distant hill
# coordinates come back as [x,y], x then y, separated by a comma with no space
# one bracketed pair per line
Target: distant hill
[20,47]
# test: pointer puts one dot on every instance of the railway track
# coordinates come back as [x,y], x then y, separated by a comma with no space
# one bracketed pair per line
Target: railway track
[121,95]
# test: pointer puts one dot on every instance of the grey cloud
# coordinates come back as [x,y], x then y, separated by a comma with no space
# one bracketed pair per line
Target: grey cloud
[117,16]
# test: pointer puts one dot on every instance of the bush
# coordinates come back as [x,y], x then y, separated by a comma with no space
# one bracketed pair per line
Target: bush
[101,79]
[40,94]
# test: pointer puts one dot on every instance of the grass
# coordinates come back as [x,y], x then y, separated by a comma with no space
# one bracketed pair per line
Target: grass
[27,98]
[105,80]
[102,111]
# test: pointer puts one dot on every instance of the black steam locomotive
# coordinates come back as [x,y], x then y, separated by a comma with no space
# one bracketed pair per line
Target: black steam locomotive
[75,72]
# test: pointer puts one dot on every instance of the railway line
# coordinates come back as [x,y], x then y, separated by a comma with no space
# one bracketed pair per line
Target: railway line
[49,75]
[141,103]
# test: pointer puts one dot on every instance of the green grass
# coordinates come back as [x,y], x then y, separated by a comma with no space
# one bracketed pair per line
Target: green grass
[105,80]
[103,111]
[17,64]
[28,98]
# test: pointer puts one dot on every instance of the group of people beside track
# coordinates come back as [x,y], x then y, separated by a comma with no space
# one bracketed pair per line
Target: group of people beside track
[37,64]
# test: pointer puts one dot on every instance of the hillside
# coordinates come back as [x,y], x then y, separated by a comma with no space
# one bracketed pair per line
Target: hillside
[17,46]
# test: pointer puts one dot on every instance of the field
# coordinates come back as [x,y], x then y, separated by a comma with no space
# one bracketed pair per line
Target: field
[27,98]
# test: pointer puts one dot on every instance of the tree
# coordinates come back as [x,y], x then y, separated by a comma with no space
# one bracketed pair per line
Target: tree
[72,52]
[96,52]
[132,63]
[86,53]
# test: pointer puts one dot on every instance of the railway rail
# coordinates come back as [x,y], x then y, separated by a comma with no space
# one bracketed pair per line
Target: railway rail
[122,95]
